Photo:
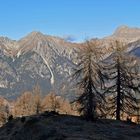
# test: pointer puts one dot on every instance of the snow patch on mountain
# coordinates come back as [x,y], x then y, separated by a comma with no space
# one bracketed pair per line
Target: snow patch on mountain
[52,75]
[19,53]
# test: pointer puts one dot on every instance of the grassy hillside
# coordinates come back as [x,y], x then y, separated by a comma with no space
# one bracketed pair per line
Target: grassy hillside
[52,126]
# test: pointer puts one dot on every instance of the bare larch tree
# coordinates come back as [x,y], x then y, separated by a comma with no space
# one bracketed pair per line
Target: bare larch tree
[88,74]
[122,84]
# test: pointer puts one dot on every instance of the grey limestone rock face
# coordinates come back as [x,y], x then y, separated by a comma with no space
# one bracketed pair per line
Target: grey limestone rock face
[40,59]
[47,61]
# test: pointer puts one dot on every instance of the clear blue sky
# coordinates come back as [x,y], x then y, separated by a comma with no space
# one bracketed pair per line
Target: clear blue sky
[78,18]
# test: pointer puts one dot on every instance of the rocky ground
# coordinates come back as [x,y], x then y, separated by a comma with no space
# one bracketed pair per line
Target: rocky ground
[52,126]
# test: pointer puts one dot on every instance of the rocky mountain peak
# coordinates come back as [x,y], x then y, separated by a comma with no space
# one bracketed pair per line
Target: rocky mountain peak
[6,41]
[35,33]
[8,45]
[122,27]
[47,59]
[127,32]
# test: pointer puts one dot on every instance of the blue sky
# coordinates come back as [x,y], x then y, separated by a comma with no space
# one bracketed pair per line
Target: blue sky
[77,18]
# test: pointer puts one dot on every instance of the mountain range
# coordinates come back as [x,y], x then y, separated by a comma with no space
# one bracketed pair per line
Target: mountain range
[49,61]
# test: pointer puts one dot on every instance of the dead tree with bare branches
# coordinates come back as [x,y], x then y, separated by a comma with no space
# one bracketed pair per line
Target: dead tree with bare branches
[90,81]
[122,84]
